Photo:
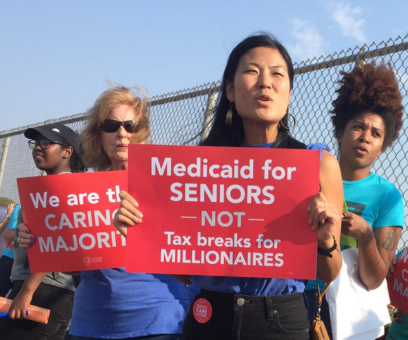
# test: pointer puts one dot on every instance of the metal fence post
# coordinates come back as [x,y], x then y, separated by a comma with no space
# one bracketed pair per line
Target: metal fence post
[3,157]
[209,111]
[360,61]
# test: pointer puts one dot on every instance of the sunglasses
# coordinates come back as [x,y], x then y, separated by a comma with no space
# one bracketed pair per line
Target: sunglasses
[111,125]
[42,143]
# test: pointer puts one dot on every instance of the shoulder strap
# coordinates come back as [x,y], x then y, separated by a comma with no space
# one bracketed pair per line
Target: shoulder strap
[322,293]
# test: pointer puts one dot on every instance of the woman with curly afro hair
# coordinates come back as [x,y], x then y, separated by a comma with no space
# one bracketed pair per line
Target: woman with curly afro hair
[367,118]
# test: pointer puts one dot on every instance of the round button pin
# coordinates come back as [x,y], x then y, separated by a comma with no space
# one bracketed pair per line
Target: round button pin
[202,310]
[240,301]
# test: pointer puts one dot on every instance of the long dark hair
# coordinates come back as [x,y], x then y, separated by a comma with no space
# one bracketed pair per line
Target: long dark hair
[223,135]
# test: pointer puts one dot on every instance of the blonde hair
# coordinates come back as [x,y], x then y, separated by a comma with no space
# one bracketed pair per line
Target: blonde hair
[94,156]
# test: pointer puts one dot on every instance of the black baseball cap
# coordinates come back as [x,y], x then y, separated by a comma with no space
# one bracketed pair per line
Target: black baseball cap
[56,132]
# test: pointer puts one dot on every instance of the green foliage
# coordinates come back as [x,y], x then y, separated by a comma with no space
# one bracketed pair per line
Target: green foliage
[5,201]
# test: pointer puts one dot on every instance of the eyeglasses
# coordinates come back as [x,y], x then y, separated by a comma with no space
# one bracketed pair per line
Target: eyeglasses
[42,143]
[111,125]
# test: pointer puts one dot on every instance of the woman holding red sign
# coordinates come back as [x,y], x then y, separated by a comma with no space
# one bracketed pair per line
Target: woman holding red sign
[55,150]
[111,303]
[252,111]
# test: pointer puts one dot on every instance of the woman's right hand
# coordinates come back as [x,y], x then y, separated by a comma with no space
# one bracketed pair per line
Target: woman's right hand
[127,215]
[25,240]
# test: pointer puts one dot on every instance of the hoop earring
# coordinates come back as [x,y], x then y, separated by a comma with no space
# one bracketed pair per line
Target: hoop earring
[228,117]
[294,122]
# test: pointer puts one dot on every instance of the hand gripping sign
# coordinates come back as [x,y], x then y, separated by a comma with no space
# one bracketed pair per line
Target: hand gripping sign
[398,283]
[223,211]
[71,218]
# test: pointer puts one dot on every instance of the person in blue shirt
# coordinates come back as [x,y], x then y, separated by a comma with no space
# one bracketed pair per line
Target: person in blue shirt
[367,118]
[253,111]
[6,260]
[111,303]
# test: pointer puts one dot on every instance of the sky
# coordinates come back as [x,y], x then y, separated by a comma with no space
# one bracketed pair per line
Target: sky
[57,56]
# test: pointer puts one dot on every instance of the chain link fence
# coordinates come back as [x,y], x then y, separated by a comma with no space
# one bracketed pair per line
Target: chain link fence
[178,118]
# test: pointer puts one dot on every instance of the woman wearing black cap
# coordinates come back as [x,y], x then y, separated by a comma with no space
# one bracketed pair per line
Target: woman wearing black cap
[55,150]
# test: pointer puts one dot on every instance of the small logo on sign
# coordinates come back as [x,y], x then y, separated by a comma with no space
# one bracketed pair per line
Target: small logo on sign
[202,310]
[88,260]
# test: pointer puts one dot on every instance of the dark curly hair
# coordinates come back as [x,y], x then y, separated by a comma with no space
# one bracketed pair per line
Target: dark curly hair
[369,88]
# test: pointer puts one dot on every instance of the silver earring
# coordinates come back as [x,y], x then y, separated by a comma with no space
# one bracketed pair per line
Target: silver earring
[294,121]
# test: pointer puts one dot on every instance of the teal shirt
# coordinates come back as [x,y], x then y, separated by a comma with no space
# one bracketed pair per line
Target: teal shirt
[399,331]
[376,200]
[12,226]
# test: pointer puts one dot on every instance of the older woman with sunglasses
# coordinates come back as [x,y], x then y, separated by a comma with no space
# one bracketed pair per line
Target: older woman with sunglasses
[111,303]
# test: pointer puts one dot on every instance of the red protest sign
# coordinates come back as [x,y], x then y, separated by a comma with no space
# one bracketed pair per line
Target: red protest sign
[398,283]
[71,217]
[223,211]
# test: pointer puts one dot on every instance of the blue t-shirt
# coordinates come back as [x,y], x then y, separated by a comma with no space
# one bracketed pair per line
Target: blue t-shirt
[192,291]
[250,285]
[376,200]
[111,304]
[12,225]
